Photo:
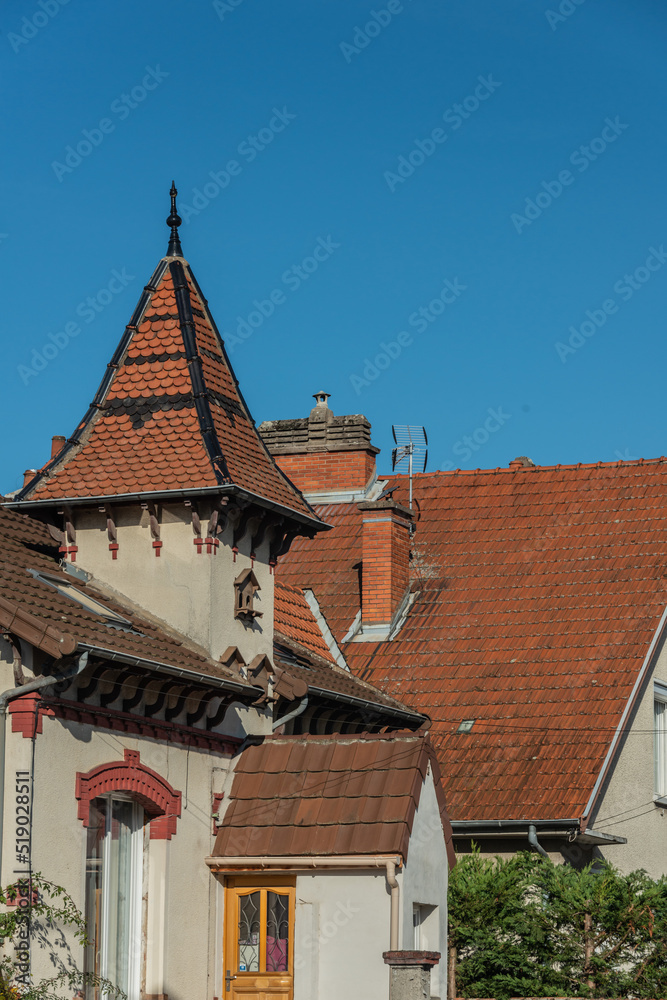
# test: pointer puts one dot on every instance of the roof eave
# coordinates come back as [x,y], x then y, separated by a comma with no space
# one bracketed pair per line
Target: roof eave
[229,489]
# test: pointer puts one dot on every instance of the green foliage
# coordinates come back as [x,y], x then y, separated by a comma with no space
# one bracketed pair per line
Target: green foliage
[524,927]
[39,905]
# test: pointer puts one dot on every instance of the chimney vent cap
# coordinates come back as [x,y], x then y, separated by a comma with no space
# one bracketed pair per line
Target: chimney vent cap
[321,397]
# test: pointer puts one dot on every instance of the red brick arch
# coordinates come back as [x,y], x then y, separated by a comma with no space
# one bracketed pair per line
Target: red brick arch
[158,798]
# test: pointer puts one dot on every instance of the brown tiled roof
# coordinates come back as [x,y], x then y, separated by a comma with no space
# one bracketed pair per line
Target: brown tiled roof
[169,414]
[326,795]
[25,544]
[539,591]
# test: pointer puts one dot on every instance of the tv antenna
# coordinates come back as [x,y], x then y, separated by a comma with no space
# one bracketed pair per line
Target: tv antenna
[411,445]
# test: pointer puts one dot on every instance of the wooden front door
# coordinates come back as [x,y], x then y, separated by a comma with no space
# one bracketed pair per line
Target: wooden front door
[259,939]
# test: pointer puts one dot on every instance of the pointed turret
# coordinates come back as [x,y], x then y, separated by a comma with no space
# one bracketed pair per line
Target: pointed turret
[168,415]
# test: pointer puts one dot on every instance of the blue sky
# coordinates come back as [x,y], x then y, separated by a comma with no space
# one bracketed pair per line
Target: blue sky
[496,164]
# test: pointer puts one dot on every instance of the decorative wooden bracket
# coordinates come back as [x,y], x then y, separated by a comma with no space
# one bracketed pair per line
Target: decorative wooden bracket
[112,532]
[268,522]
[281,544]
[155,527]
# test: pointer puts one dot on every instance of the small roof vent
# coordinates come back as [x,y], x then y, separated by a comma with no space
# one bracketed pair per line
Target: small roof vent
[522,462]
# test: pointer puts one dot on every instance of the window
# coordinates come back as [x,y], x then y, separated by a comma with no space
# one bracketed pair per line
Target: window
[74,593]
[660,738]
[114,891]
[426,927]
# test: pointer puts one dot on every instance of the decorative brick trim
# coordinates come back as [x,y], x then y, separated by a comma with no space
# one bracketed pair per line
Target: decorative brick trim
[27,713]
[129,775]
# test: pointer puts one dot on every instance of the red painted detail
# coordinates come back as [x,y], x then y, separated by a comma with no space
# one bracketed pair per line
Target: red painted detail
[27,712]
[235,551]
[63,549]
[199,542]
[113,549]
[125,722]
[212,546]
[72,551]
[157,545]
[156,795]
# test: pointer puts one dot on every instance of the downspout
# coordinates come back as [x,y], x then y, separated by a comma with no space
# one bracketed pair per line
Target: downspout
[10,695]
[534,842]
[299,710]
[395,899]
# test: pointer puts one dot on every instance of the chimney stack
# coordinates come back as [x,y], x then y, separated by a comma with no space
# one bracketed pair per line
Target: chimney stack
[385,569]
[57,444]
[28,475]
[323,453]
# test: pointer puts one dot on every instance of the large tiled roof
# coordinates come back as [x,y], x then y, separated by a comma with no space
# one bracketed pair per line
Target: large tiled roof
[538,593]
[25,544]
[326,795]
[169,414]
[300,648]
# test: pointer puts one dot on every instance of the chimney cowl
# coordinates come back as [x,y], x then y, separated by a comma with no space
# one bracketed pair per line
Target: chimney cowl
[522,462]
[57,444]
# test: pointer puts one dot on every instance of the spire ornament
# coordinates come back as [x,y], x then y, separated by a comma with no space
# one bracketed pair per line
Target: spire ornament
[174,249]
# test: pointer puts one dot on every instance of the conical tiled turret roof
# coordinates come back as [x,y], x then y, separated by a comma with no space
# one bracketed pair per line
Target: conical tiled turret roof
[168,415]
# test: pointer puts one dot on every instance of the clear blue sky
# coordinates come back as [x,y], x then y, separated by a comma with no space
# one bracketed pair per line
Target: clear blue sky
[341,104]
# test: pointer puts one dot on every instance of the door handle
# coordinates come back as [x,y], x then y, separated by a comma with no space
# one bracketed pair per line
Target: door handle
[228,981]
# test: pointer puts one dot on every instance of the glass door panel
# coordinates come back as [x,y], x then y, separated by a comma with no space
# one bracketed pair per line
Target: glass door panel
[259,929]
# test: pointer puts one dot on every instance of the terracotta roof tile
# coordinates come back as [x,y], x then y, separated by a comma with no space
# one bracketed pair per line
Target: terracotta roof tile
[538,593]
[145,431]
[336,806]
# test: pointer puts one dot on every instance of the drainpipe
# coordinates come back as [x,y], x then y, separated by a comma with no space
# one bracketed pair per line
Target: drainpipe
[534,842]
[10,695]
[299,710]
[395,897]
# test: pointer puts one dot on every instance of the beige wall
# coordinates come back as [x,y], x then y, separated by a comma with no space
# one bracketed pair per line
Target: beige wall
[424,881]
[191,593]
[183,933]
[627,808]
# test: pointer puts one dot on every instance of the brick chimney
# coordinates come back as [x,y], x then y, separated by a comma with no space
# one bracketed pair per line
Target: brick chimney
[385,564]
[323,453]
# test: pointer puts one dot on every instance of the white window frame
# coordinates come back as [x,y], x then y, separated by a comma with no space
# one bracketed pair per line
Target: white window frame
[136,890]
[660,741]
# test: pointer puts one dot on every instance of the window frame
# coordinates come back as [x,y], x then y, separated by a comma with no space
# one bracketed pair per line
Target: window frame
[660,742]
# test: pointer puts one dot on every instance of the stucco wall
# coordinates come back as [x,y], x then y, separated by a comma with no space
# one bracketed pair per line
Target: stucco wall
[424,881]
[341,930]
[193,593]
[627,808]
[59,840]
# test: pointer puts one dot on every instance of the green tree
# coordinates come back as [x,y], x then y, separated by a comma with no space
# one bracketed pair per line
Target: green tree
[526,927]
[41,908]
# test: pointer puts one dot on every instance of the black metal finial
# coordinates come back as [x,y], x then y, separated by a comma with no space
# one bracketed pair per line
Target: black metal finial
[174,249]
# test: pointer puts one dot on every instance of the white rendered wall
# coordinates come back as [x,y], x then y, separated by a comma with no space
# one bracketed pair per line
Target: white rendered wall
[341,931]
[184,936]
[425,879]
[191,592]
[627,808]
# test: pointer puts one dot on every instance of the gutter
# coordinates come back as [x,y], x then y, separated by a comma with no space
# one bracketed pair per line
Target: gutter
[512,827]
[10,695]
[657,635]
[349,699]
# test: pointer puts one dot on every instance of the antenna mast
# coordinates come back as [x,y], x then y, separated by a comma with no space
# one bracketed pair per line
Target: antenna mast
[411,444]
